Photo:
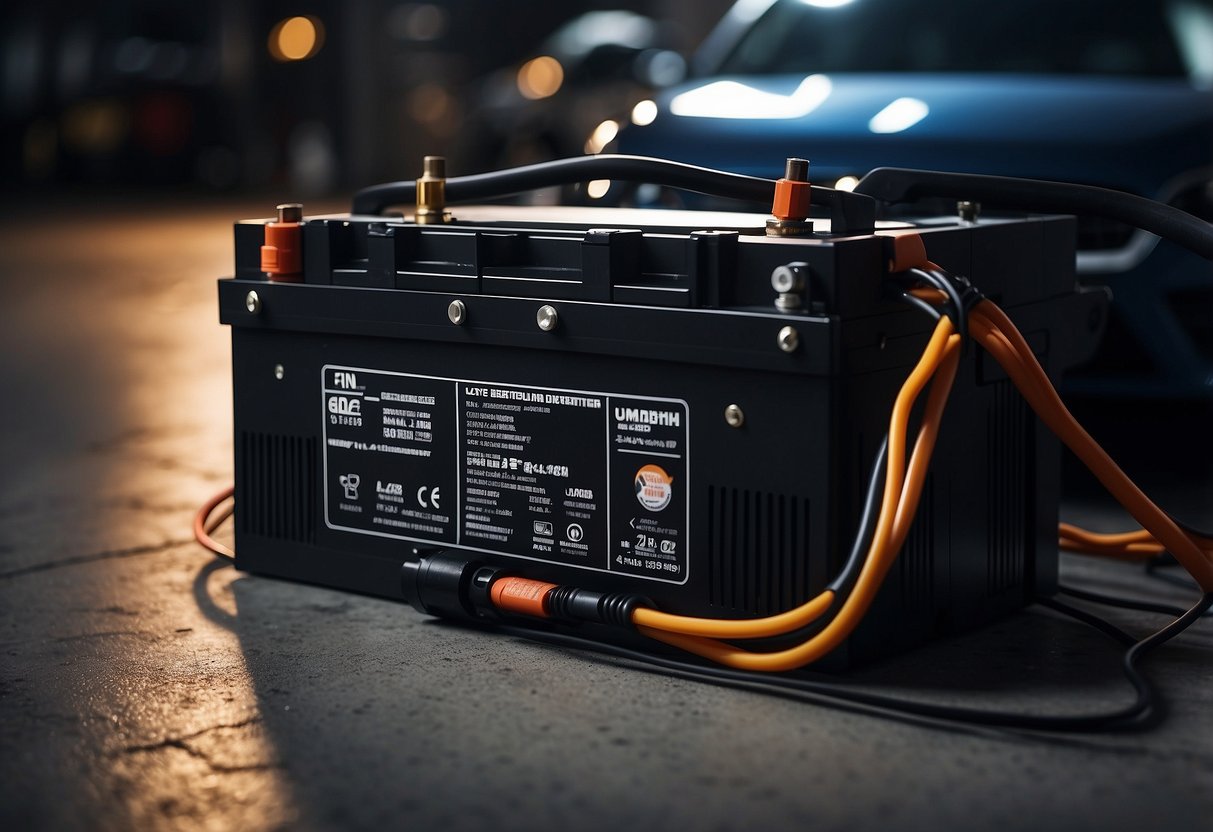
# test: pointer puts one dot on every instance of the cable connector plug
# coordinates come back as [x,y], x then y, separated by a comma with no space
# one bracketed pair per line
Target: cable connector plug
[538,599]
[449,586]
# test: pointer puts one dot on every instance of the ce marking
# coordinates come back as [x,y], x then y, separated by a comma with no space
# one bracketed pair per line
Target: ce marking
[435,495]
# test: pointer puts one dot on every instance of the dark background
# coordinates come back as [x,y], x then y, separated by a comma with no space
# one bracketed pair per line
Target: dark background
[145,95]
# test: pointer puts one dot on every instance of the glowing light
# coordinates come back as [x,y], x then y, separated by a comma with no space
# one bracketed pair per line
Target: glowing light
[731,99]
[645,112]
[598,188]
[540,77]
[94,127]
[827,4]
[296,39]
[602,136]
[846,183]
[900,115]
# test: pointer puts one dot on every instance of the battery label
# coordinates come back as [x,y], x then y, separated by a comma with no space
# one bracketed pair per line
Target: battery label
[585,479]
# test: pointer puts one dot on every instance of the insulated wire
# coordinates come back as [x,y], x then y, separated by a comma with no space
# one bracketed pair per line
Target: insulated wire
[1134,545]
[205,525]
[1145,700]
[1139,604]
[867,522]
[898,508]
[1004,342]
[960,315]
[654,621]
[1137,544]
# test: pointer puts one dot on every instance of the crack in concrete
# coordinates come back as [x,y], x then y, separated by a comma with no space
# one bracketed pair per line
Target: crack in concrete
[244,723]
[109,554]
[182,744]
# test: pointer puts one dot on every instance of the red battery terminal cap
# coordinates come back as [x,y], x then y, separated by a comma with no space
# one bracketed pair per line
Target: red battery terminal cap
[282,254]
[792,192]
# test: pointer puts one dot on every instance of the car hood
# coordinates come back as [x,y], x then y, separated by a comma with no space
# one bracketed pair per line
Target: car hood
[1133,134]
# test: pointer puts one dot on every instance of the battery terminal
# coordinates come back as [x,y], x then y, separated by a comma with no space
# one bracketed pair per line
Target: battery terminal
[282,253]
[790,206]
[431,192]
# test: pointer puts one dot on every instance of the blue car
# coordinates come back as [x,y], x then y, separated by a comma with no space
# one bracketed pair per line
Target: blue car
[1115,93]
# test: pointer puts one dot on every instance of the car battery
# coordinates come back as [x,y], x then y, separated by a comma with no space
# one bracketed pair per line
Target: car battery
[675,404]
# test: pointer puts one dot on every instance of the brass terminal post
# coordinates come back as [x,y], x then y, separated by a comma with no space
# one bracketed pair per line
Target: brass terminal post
[431,192]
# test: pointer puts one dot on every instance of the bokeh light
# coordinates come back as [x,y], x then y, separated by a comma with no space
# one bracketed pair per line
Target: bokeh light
[540,77]
[296,38]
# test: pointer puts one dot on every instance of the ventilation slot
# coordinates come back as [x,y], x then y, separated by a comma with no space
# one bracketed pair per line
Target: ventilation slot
[1007,461]
[758,557]
[276,497]
[916,563]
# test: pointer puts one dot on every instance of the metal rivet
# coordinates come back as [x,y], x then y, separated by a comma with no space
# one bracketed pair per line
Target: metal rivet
[457,312]
[279,371]
[734,416]
[788,339]
[546,317]
[252,302]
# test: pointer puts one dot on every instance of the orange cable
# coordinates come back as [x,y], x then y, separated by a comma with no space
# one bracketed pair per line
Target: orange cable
[1074,538]
[882,553]
[790,620]
[1004,342]
[202,531]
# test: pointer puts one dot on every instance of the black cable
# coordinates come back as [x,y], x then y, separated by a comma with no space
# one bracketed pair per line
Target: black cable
[738,680]
[963,294]
[867,522]
[374,199]
[958,314]
[849,213]
[846,577]
[1117,601]
[921,304]
[1146,700]
[904,185]
[1090,619]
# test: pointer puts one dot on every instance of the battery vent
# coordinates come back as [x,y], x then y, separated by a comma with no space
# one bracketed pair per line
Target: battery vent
[1008,460]
[279,486]
[758,550]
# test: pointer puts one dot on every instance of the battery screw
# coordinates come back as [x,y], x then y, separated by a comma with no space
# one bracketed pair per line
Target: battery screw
[252,302]
[457,312]
[279,371]
[790,281]
[546,317]
[734,416]
[788,339]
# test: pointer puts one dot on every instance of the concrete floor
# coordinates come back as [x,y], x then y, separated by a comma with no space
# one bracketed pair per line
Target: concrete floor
[146,685]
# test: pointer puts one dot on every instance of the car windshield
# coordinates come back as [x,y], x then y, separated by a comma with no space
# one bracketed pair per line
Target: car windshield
[1067,37]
